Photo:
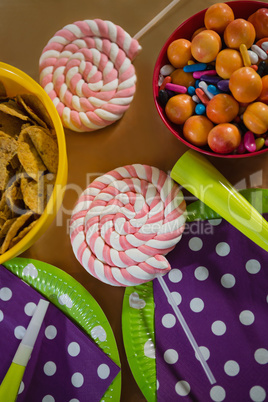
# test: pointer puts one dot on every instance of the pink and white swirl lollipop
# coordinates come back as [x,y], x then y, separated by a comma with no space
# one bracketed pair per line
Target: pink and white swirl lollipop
[86,69]
[125,222]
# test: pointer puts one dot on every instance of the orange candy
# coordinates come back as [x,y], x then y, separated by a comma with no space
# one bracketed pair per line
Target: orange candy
[179,52]
[218,16]
[260,22]
[179,108]
[239,32]
[222,108]
[224,138]
[255,117]
[198,31]
[227,61]
[264,93]
[245,85]
[196,130]
[180,77]
[206,45]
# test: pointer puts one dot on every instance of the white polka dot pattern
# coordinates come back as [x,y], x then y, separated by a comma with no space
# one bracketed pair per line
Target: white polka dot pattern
[86,69]
[65,363]
[219,281]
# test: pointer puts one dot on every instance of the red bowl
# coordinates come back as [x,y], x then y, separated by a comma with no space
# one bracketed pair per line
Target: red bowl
[241,9]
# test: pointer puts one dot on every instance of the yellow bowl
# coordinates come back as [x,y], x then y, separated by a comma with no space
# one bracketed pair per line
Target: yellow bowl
[17,82]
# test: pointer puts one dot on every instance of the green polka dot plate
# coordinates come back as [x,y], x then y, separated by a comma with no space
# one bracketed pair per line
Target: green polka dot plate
[76,303]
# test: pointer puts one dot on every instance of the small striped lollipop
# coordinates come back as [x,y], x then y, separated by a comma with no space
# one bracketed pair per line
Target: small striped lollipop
[86,69]
[124,224]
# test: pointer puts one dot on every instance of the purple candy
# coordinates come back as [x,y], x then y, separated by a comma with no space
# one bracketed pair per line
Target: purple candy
[223,85]
[210,79]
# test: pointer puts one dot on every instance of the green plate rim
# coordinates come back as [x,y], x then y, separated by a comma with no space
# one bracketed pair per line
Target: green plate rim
[142,367]
[51,282]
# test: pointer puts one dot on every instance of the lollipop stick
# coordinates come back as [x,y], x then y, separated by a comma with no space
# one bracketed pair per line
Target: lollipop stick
[155,19]
[187,330]
[11,382]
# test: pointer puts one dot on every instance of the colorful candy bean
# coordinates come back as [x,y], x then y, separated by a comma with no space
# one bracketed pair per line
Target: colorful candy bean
[213,90]
[202,96]
[204,86]
[200,109]
[241,148]
[223,85]
[167,69]
[176,88]
[166,81]
[254,58]
[259,51]
[249,141]
[211,79]
[198,74]
[190,68]
[196,99]
[245,56]
[191,90]
[259,143]
[163,97]
[261,68]
[264,46]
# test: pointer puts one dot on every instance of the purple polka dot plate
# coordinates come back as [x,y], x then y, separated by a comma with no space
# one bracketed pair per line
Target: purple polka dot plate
[75,355]
[219,282]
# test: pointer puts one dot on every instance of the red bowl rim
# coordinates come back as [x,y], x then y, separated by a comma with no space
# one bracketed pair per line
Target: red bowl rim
[255,5]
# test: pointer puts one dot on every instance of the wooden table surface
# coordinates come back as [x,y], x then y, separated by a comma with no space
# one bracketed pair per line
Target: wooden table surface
[139,137]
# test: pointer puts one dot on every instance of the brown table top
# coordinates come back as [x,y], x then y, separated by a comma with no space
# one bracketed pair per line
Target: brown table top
[139,137]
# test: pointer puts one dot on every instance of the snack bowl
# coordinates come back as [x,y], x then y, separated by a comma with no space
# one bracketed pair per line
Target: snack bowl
[16,82]
[241,9]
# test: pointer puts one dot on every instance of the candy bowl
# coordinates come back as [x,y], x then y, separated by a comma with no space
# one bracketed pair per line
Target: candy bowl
[33,161]
[182,105]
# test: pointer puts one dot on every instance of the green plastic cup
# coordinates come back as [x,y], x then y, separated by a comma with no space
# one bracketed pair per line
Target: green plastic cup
[197,175]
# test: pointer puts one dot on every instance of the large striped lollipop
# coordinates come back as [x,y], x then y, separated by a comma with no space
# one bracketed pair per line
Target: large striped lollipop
[86,69]
[125,222]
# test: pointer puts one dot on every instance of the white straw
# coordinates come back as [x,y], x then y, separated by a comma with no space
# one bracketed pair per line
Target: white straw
[187,330]
[155,19]
[25,348]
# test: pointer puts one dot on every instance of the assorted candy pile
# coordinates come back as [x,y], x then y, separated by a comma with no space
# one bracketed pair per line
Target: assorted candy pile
[216,85]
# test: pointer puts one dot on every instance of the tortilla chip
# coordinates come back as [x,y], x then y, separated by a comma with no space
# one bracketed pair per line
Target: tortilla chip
[36,109]
[46,147]
[25,185]
[8,148]
[12,108]
[36,194]
[5,228]
[5,213]
[28,156]
[10,124]
[15,163]
[14,199]
[21,234]
[14,229]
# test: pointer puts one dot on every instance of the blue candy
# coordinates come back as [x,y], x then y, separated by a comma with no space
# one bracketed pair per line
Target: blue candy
[191,90]
[190,68]
[212,89]
[200,108]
